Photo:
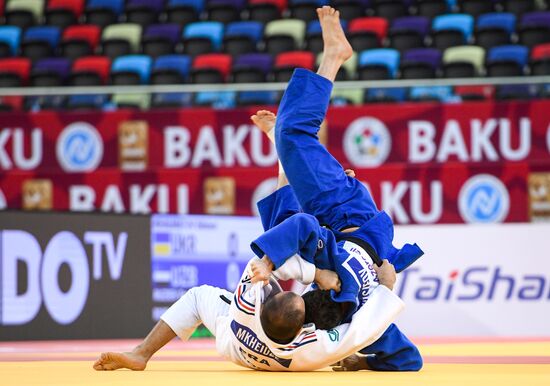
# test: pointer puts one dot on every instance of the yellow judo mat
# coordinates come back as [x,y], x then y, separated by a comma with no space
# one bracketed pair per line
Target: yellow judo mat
[525,363]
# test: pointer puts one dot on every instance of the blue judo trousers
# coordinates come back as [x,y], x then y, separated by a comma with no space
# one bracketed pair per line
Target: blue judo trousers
[338,201]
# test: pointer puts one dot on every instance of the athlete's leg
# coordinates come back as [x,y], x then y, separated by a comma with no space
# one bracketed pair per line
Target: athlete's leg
[319,181]
[199,305]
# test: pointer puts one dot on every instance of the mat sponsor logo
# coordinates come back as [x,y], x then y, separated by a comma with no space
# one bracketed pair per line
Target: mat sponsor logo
[367,142]
[79,148]
[483,199]
[475,283]
[64,300]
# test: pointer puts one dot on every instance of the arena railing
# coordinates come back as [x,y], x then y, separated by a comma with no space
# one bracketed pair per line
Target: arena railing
[195,88]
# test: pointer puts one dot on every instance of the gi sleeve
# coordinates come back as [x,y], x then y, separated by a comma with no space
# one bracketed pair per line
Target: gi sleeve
[296,268]
[298,234]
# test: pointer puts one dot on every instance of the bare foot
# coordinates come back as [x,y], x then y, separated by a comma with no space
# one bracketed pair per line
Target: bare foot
[336,44]
[265,120]
[123,360]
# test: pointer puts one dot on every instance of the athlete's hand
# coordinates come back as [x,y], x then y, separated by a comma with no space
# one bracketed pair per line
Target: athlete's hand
[327,280]
[352,363]
[386,274]
[260,271]
[350,173]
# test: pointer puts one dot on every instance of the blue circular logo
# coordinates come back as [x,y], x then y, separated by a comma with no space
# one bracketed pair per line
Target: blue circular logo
[79,148]
[484,199]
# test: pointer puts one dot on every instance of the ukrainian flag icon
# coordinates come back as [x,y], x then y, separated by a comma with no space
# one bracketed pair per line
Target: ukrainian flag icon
[161,244]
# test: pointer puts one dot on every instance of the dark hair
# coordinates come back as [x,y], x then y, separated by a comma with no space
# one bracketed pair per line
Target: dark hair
[282,317]
[322,310]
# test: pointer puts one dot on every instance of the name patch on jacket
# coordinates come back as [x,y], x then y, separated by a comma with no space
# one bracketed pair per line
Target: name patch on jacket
[250,340]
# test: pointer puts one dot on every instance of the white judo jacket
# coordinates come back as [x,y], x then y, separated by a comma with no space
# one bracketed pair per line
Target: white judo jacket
[247,345]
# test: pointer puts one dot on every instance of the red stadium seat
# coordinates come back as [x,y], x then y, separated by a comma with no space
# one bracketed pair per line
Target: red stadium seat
[98,65]
[481,92]
[14,71]
[281,4]
[541,51]
[75,6]
[304,59]
[89,33]
[217,63]
[377,25]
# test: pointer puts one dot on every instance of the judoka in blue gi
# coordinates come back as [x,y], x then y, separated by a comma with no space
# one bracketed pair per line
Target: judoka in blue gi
[355,234]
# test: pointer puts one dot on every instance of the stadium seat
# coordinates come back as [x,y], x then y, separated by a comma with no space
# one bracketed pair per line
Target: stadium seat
[463,62]
[367,32]
[534,29]
[40,42]
[50,72]
[133,101]
[408,32]
[284,35]
[183,12]
[10,37]
[494,29]
[242,37]
[251,68]
[171,69]
[377,64]
[256,98]
[516,92]
[103,12]
[86,102]
[202,37]
[23,13]
[452,30]
[431,8]
[432,94]
[63,13]
[120,39]
[350,9]
[131,70]
[508,60]
[224,11]
[518,7]
[305,9]
[476,7]
[422,63]
[389,9]
[540,60]
[263,11]
[90,71]
[160,39]
[314,38]
[342,97]
[143,12]
[171,100]
[384,95]
[286,62]
[475,93]
[215,99]
[348,71]
[79,41]
[14,72]
[211,68]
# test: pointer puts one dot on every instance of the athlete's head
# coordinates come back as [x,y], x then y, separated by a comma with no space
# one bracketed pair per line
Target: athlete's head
[322,310]
[282,316]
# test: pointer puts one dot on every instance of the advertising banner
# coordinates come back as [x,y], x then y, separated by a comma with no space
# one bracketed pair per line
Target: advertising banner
[74,276]
[359,137]
[477,280]
[454,193]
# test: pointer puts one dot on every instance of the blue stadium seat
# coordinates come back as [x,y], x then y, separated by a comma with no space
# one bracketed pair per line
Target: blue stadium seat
[432,93]
[461,22]
[117,6]
[509,60]
[48,34]
[385,57]
[178,65]
[394,94]
[251,29]
[125,66]
[501,20]
[248,98]
[10,36]
[216,99]
[198,5]
[210,30]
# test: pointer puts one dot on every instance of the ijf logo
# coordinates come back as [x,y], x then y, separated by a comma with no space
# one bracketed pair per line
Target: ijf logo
[483,199]
[367,142]
[79,148]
